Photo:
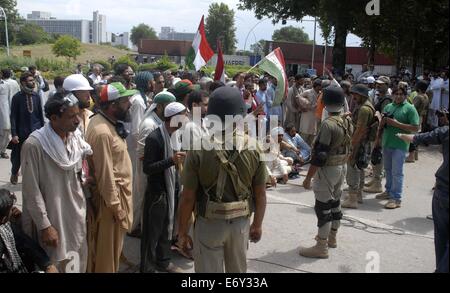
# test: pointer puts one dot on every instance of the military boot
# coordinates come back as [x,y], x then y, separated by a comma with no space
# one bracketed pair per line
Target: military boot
[360,197]
[351,202]
[370,182]
[416,155]
[376,187]
[320,250]
[332,239]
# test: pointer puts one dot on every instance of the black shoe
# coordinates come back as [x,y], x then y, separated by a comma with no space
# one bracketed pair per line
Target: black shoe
[14,179]
[4,156]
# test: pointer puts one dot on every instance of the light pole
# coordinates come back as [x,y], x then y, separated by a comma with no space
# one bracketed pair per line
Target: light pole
[3,13]
[314,43]
[248,35]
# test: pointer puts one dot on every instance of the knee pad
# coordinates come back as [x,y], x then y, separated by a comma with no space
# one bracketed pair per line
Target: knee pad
[338,215]
[323,213]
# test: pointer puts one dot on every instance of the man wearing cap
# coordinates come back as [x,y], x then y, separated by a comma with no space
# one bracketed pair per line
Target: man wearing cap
[181,90]
[372,90]
[328,167]
[111,168]
[153,118]
[54,211]
[160,164]
[26,117]
[363,121]
[79,86]
[383,99]
[224,199]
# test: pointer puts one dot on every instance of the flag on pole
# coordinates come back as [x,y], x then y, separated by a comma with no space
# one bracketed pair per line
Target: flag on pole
[200,52]
[275,65]
[220,67]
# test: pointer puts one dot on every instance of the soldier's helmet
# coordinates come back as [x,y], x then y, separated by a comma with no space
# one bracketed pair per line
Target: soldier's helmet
[333,99]
[226,101]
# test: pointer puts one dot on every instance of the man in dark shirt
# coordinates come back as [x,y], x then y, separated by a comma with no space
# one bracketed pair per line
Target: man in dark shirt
[160,163]
[441,192]
[26,117]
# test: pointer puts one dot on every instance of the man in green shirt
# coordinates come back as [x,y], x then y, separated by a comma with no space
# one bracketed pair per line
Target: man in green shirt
[399,117]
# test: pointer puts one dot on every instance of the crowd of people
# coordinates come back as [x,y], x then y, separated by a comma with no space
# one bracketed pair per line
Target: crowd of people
[99,161]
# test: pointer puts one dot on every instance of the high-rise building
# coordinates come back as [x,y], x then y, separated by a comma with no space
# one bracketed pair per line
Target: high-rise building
[99,28]
[169,34]
[84,30]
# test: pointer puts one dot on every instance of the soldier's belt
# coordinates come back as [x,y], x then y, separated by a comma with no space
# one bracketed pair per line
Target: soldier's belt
[227,211]
[337,160]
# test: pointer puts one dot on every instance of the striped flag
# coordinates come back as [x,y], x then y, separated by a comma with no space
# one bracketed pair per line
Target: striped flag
[220,67]
[274,65]
[200,52]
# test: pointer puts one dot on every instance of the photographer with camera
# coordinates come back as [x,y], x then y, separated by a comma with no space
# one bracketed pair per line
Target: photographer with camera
[439,136]
[365,133]
[398,117]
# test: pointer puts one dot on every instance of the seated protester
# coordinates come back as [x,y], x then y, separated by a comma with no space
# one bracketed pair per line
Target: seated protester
[299,150]
[278,166]
[18,252]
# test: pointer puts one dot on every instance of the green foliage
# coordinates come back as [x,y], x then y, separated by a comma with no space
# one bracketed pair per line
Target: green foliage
[220,26]
[258,48]
[122,47]
[10,7]
[126,60]
[165,63]
[67,46]
[291,34]
[49,68]
[231,70]
[147,67]
[31,34]
[106,65]
[142,31]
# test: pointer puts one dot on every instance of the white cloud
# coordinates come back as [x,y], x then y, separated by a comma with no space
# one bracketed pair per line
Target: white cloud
[184,15]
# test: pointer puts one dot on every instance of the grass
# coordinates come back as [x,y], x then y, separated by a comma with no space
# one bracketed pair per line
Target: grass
[89,52]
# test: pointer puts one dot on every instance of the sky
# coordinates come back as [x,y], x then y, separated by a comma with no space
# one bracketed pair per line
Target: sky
[184,16]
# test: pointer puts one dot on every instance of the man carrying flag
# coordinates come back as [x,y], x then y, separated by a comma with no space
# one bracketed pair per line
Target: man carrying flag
[274,65]
[201,52]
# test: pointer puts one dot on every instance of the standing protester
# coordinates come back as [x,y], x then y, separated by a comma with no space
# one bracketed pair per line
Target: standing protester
[41,85]
[79,86]
[58,82]
[445,90]
[160,163]
[26,117]
[328,167]
[96,75]
[293,112]
[223,198]
[440,198]
[55,210]
[399,117]
[112,172]
[153,118]
[308,104]
[421,103]
[436,86]
[125,72]
[381,101]
[195,130]
[364,121]
[159,83]
[8,88]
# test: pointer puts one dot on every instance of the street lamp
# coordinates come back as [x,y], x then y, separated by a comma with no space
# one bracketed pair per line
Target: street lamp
[3,13]
[248,35]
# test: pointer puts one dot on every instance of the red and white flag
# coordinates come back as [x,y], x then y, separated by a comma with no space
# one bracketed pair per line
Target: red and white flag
[220,67]
[201,51]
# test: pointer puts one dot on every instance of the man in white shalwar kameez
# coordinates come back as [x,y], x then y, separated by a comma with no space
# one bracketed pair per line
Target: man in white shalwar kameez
[53,200]
[8,88]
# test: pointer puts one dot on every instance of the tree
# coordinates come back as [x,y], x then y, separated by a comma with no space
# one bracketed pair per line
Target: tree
[258,48]
[67,46]
[333,14]
[140,32]
[31,34]
[11,12]
[290,34]
[220,26]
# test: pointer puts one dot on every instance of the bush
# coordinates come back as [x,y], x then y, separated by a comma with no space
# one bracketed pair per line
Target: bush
[122,47]
[232,70]
[126,60]
[49,68]
[106,65]
[147,67]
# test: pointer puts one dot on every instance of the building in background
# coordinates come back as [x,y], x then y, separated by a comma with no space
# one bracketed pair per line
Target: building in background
[169,34]
[123,40]
[87,31]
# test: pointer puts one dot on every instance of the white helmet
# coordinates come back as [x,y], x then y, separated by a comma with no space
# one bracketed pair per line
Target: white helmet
[371,80]
[76,82]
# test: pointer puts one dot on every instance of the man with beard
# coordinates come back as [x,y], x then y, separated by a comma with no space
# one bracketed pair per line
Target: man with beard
[112,172]
[26,117]
[53,199]
[160,163]
[79,86]
[195,129]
